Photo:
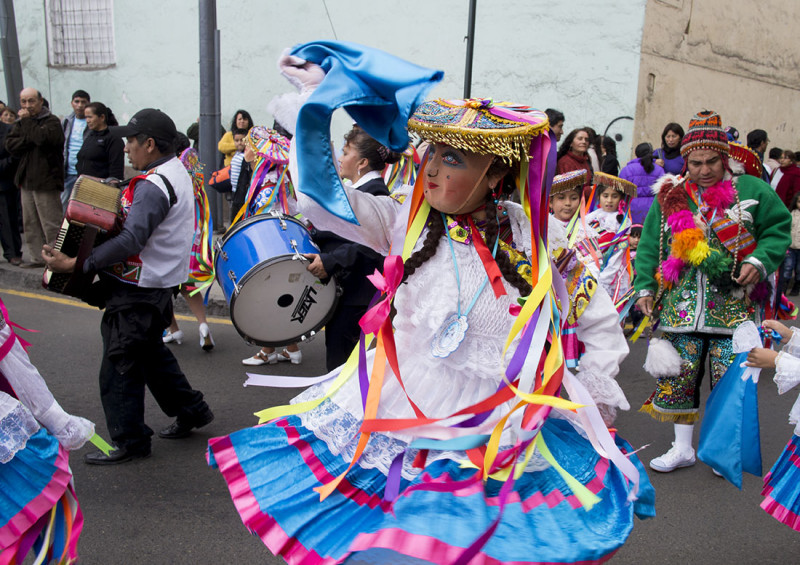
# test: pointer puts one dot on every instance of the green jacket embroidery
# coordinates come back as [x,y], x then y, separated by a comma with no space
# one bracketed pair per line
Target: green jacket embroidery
[695,305]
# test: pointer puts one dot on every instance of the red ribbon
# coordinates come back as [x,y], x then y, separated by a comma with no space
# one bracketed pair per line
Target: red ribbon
[492,270]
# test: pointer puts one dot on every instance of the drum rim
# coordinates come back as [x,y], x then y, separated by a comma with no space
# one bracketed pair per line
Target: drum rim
[302,337]
[240,225]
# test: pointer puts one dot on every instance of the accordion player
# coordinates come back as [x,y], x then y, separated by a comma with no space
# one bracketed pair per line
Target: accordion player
[92,216]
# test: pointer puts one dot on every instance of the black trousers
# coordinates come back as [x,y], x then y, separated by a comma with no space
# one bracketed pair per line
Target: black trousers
[10,223]
[135,357]
[341,334]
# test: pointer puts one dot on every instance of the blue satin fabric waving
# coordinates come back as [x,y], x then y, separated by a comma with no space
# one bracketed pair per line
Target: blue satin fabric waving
[730,439]
[378,90]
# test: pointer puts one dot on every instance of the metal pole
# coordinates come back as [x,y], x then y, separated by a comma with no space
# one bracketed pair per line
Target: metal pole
[12,67]
[209,102]
[470,48]
[219,219]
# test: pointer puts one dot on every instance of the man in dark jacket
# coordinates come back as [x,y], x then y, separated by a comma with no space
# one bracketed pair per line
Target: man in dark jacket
[38,141]
[10,207]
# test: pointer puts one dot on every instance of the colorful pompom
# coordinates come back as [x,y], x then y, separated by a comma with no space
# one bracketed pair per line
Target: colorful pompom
[699,253]
[672,199]
[760,292]
[685,241]
[682,220]
[717,264]
[720,196]
[671,269]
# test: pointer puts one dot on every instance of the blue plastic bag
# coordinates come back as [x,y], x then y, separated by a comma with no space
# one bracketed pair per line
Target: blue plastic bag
[730,440]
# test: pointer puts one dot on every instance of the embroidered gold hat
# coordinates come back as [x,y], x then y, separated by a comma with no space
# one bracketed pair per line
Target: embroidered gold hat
[573,180]
[480,126]
[620,185]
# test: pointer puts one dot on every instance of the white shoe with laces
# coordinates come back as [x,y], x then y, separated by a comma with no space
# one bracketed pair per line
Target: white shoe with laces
[673,459]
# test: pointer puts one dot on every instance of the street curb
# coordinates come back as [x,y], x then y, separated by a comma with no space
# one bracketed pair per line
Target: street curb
[31,280]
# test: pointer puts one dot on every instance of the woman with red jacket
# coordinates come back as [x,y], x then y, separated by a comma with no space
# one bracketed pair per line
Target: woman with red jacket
[789,184]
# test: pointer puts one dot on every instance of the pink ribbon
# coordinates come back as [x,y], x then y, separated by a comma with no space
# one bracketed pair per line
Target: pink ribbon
[386,284]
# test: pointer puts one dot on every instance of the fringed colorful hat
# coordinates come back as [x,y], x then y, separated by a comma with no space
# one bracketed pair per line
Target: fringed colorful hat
[269,144]
[191,161]
[747,157]
[573,180]
[705,132]
[620,185]
[480,126]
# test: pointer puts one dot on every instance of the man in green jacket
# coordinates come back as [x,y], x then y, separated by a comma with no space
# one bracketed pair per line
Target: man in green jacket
[37,139]
[709,246]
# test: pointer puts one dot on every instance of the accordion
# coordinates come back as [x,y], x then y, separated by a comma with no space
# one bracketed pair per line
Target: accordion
[92,216]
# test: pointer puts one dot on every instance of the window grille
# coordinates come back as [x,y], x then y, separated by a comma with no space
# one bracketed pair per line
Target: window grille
[80,33]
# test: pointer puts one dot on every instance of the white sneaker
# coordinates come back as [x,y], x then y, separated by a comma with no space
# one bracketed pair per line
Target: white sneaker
[673,459]
[717,473]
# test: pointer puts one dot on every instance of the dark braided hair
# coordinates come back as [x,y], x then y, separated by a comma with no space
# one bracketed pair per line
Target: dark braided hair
[436,229]
[429,246]
[508,270]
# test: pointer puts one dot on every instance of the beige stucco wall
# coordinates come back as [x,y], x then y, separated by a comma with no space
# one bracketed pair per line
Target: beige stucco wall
[737,57]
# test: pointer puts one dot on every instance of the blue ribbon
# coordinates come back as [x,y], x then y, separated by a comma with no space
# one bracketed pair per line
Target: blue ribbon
[378,90]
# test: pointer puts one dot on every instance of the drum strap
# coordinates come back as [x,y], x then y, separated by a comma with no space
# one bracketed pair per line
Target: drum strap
[173,199]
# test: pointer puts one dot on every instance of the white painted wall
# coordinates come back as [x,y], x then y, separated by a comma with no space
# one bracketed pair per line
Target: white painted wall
[580,57]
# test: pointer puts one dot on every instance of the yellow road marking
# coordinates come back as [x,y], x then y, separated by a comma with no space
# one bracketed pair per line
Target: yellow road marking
[79,304]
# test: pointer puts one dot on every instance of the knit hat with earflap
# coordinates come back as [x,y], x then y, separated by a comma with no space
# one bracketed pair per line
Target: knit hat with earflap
[705,132]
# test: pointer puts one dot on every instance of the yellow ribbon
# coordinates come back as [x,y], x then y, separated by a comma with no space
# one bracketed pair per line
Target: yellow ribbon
[586,497]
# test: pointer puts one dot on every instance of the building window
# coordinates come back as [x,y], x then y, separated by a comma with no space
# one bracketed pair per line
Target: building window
[80,33]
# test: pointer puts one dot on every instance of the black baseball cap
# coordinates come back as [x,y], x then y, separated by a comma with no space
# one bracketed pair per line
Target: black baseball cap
[151,122]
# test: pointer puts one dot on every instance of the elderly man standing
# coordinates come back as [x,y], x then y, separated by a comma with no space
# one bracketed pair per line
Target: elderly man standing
[37,139]
[709,243]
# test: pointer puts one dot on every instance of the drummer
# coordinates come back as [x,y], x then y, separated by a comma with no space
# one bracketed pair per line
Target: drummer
[360,166]
[270,190]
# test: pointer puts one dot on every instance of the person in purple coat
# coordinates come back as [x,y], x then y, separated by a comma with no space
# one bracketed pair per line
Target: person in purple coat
[669,154]
[643,172]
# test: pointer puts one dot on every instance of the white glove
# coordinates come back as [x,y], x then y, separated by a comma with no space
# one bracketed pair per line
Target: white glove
[303,75]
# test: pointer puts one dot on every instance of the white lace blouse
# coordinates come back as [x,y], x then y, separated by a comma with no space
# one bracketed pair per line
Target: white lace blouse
[438,386]
[71,431]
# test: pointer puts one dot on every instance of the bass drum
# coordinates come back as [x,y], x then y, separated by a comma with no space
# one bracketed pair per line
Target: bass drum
[273,298]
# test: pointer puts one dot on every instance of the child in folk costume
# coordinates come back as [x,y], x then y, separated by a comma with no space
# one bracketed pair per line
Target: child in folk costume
[593,340]
[38,506]
[782,483]
[610,218]
[375,461]
[270,190]
[201,269]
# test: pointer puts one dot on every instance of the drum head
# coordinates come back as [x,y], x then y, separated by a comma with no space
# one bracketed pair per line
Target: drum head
[279,302]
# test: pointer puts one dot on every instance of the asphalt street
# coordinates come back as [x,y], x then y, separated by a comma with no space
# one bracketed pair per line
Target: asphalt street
[173,509]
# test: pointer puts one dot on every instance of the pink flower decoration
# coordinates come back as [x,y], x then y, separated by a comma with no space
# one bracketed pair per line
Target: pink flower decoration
[679,221]
[683,313]
[671,269]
